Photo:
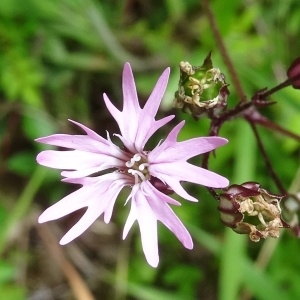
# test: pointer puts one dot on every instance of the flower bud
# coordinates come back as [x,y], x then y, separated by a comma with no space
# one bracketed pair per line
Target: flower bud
[201,89]
[162,187]
[249,209]
[293,73]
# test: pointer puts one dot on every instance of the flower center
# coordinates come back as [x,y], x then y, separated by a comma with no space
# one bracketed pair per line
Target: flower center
[138,167]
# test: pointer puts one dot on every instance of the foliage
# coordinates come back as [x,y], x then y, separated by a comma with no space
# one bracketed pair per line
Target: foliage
[57,57]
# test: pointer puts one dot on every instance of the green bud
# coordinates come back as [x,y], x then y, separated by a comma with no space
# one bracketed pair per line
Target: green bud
[201,89]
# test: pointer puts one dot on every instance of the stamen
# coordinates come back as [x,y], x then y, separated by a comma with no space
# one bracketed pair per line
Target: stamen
[136,179]
[143,166]
[137,167]
[137,175]
[137,157]
[130,163]
[261,219]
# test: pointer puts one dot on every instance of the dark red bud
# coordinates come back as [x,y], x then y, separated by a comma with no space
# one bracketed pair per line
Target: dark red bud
[158,184]
[293,73]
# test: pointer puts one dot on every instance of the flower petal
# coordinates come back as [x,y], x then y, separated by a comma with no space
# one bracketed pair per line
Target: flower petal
[113,193]
[76,160]
[77,142]
[169,141]
[174,184]
[92,134]
[148,228]
[90,216]
[147,124]
[92,142]
[165,214]
[189,148]
[154,100]
[147,129]
[99,197]
[142,212]
[117,115]
[67,205]
[184,171]
[136,132]
[131,106]
[132,217]
[171,150]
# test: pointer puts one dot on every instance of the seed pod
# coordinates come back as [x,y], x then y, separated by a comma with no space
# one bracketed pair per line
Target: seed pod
[201,89]
[249,209]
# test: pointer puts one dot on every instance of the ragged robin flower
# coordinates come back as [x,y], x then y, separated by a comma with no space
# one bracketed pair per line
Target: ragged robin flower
[104,169]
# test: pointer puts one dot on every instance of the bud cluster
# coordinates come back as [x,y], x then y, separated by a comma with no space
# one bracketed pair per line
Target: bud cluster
[249,209]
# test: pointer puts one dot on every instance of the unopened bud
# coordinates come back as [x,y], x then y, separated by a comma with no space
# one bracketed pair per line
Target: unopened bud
[249,209]
[293,73]
[201,89]
[162,187]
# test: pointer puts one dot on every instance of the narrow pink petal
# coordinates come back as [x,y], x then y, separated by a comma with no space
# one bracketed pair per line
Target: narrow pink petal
[84,172]
[92,134]
[113,193]
[114,177]
[128,144]
[117,115]
[147,128]
[131,102]
[148,228]
[128,129]
[147,124]
[77,142]
[81,181]
[184,171]
[166,215]
[175,186]
[189,148]
[163,197]
[108,164]
[90,216]
[67,205]
[75,160]
[152,105]
[99,194]
[131,108]
[168,142]
[132,217]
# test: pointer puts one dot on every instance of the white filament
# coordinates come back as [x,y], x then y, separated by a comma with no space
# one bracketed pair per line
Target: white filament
[137,175]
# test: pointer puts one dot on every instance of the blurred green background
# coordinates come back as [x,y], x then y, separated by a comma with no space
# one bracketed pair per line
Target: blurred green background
[57,57]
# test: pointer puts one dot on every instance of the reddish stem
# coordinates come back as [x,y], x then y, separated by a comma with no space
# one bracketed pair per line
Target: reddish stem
[224,53]
[267,160]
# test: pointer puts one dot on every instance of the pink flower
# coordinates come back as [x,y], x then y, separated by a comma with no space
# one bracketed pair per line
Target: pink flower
[151,175]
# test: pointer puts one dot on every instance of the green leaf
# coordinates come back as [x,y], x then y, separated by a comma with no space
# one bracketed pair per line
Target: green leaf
[22,163]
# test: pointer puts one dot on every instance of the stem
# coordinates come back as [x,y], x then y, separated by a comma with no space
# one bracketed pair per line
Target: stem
[224,52]
[280,86]
[233,251]
[257,118]
[275,89]
[252,114]
[267,160]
